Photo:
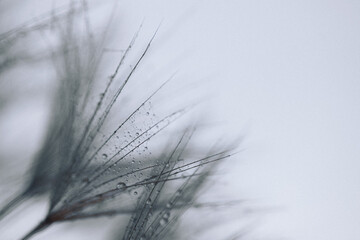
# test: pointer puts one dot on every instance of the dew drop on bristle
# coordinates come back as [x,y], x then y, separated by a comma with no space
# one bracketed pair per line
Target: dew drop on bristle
[121,186]
[104,156]
[166,215]
[164,221]
[178,193]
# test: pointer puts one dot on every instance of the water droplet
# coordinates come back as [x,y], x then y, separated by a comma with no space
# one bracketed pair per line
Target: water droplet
[135,193]
[148,202]
[166,215]
[164,221]
[104,156]
[168,205]
[121,186]
[137,134]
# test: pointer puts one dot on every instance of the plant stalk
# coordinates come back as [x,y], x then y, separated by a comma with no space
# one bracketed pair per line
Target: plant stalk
[42,226]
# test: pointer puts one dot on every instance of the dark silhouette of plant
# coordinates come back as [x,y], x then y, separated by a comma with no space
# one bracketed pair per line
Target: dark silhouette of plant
[75,82]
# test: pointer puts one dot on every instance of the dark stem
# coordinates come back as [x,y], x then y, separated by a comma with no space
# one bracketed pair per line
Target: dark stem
[43,225]
[13,203]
